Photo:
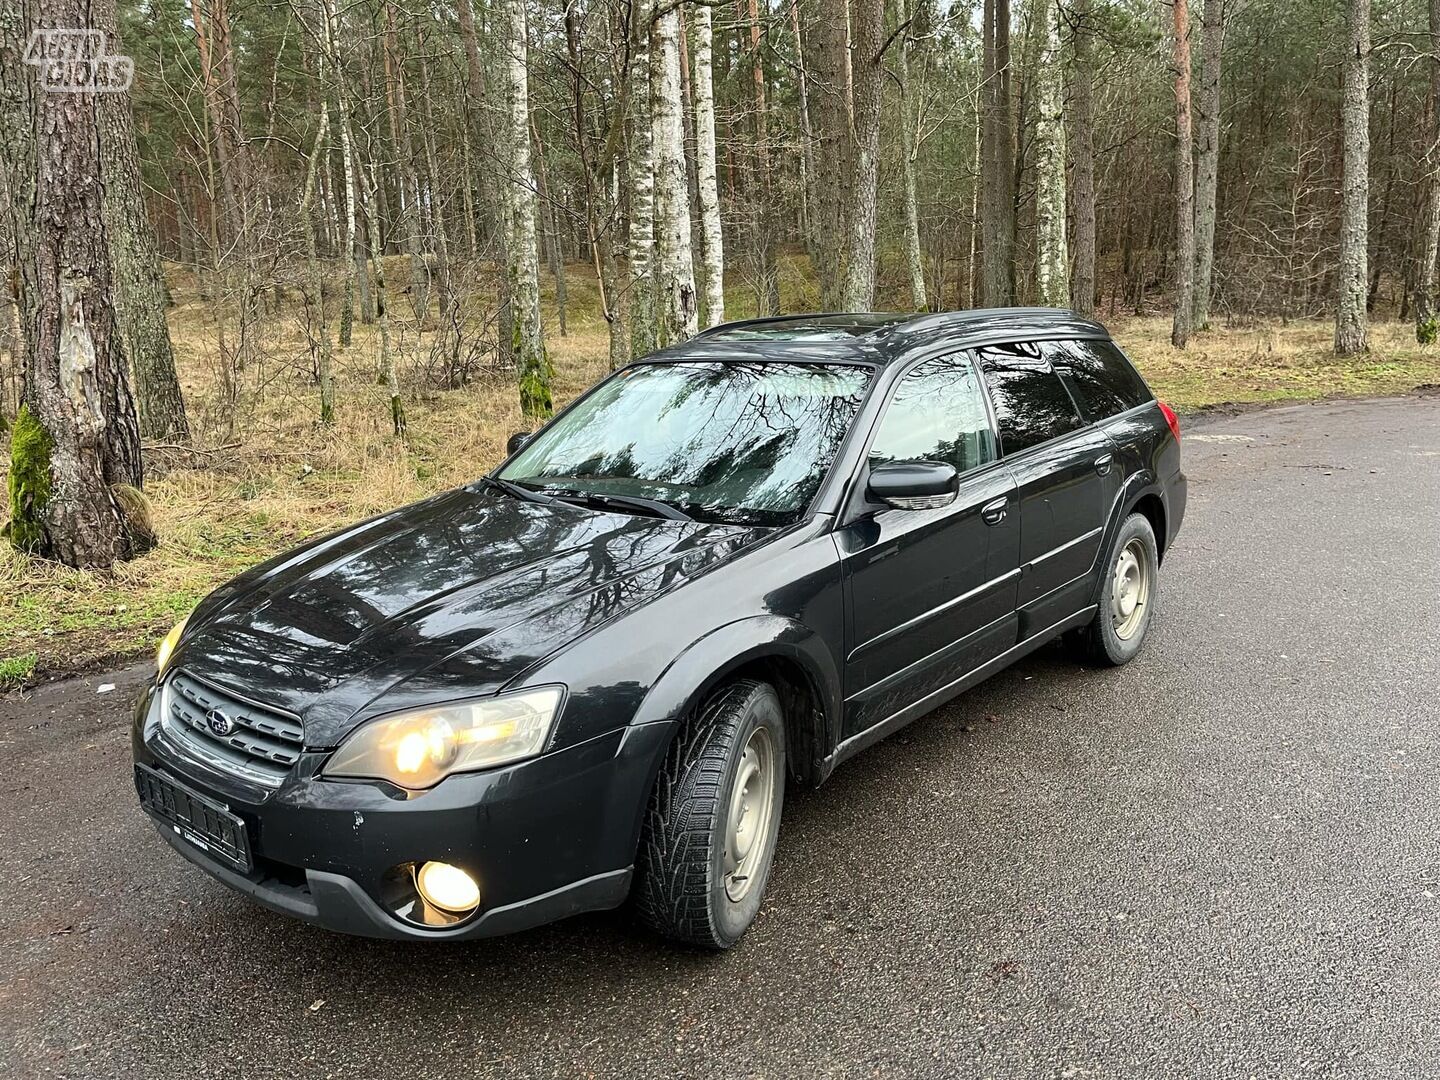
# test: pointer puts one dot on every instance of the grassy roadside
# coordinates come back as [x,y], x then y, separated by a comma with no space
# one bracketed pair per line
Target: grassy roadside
[278,478]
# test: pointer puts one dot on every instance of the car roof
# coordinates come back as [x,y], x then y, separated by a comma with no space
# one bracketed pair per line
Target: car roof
[871,337]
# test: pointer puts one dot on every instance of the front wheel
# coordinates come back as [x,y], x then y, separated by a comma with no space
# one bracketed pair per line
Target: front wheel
[710,829]
[1127,596]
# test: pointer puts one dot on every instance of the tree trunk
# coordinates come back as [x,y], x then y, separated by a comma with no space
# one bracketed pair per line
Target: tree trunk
[388,375]
[827,44]
[532,363]
[642,188]
[1052,261]
[485,127]
[675,272]
[138,282]
[1207,106]
[347,158]
[320,323]
[1351,328]
[1082,151]
[909,134]
[997,200]
[1427,325]
[449,300]
[712,239]
[550,226]
[75,468]
[807,137]
[762,212]
[397,106]
[1185,184]
[867,27]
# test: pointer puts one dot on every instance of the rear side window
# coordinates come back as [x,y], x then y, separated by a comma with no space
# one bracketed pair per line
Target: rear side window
[937,414]
[1032,405]
[1103,381]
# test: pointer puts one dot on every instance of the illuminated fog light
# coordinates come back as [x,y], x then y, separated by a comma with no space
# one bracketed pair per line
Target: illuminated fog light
[448,888]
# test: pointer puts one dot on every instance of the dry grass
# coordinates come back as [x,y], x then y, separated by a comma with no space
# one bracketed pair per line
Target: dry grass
[1275,363]
[288,479]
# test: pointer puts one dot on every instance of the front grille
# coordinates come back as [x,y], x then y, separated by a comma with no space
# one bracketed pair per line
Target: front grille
[230,733]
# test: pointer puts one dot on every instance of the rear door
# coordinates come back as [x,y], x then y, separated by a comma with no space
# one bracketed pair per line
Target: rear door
[1065,480]
[930,594]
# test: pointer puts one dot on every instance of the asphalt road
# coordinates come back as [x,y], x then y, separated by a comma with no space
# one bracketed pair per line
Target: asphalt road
[1222,860]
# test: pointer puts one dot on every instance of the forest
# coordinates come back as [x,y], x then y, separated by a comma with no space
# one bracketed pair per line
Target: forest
[321,257]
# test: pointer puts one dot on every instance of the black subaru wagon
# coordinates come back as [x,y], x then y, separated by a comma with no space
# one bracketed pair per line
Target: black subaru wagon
[591,674]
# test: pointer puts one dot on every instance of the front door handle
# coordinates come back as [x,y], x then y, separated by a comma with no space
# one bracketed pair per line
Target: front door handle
[1103,463]
[993,512]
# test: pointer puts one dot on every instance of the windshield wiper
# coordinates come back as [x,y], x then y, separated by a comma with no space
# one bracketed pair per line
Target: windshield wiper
[518,490]
[625,502]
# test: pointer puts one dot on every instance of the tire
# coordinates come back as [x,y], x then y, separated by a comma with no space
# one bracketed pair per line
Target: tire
[689,886]
[1116,634]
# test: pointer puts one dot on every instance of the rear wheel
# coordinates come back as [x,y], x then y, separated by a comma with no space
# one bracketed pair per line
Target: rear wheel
[710,830]
[1127,596]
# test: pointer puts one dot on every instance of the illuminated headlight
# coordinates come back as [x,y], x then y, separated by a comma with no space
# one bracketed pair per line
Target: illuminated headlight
[167,646]
[419,749]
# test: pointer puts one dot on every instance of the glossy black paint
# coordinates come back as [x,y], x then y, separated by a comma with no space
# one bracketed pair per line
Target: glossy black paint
[866,616]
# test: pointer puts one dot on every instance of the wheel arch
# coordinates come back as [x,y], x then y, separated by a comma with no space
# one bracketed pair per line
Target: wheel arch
[773,649]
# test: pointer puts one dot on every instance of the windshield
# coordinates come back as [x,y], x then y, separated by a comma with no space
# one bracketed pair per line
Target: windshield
[737,442]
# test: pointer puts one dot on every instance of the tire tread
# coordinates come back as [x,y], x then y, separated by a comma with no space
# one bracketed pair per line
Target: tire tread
[673,887]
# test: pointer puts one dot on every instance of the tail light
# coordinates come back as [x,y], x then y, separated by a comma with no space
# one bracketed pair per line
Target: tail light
[1171,419]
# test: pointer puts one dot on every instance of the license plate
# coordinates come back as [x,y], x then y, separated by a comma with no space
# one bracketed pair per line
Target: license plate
[202,822]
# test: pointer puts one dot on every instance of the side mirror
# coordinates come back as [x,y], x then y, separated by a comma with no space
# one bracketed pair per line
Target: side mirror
[914,485]
[517,442]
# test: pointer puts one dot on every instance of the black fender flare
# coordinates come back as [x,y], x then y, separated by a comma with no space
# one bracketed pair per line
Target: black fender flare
[1136,487]
[683,686]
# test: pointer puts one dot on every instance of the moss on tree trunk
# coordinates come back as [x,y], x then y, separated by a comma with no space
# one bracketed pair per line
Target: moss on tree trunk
[30,448]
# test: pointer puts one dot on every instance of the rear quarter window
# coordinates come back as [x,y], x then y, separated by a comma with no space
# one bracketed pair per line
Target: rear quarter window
[1103,381]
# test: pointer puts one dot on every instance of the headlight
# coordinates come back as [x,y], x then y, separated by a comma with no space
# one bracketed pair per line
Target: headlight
[167,646]
[419,749]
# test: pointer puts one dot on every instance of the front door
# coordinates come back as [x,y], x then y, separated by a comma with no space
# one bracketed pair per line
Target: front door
[930,594]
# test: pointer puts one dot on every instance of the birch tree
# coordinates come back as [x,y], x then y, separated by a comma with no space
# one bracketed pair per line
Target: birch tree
[532,362]
[1052,263]
[641,245]
[1184,182]
[1207,171]
[1352,333]
[712,247]
[675,272]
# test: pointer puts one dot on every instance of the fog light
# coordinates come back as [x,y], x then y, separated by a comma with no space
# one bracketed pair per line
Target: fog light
[448,888]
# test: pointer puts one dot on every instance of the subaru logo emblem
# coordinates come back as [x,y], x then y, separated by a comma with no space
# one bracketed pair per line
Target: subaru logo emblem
[218,722]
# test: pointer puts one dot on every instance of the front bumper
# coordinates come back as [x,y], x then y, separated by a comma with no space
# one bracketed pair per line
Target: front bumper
[545,838]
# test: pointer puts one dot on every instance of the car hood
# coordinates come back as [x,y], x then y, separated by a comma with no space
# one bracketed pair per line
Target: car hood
[449,598]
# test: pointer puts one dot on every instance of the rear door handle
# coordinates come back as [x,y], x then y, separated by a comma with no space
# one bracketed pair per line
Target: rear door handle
[1103,463]
[993,512]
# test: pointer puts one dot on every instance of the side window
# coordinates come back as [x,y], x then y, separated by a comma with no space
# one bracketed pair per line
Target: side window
[1032,405]
[937,414]
[1103,381]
